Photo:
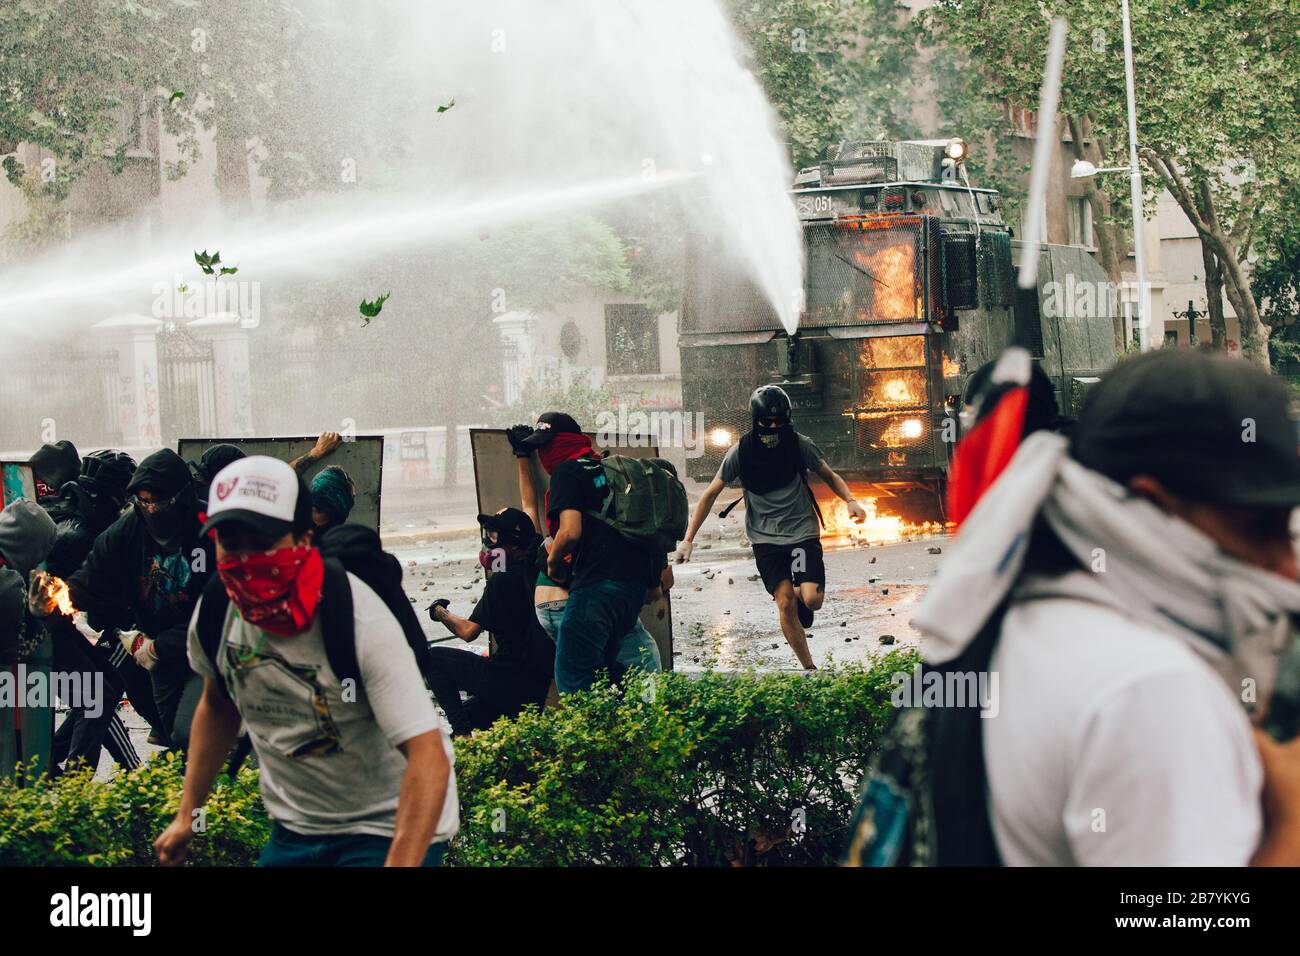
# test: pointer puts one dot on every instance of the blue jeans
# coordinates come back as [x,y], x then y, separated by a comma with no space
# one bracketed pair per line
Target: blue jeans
[595,616]
[636,649]
[287,848]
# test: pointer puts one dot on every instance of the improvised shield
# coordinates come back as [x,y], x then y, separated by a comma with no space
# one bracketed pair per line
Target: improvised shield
[362,457]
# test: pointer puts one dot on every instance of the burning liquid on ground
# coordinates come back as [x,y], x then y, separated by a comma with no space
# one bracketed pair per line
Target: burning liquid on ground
[882,526]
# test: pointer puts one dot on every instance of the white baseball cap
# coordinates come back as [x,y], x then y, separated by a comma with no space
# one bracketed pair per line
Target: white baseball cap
[261,492]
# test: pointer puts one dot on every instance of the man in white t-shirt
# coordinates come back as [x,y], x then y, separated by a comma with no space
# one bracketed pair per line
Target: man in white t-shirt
[1151,598]
[354,771]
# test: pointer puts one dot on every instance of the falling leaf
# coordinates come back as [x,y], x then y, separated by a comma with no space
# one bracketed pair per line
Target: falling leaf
[228,270]
[449,104]
[371,309]
[176,95]
[182,288]
[206,262]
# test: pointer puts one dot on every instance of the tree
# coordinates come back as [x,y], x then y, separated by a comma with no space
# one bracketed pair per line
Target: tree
[832,69]
[1218,99]
[76,71]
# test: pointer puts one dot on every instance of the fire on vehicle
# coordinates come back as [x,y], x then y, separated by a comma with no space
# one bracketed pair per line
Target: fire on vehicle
[909,288]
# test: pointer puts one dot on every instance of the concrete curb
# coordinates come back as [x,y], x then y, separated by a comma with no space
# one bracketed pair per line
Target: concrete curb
[397,539]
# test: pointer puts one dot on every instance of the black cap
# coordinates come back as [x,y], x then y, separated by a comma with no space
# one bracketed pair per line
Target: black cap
[550,423]
[1208,426]
[213,460]
[511,524]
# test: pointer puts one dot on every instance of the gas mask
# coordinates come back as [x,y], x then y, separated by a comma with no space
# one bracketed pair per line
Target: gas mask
[769,430]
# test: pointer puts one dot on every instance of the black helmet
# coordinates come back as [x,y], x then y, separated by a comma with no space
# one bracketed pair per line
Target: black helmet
[107,472]
[770,401]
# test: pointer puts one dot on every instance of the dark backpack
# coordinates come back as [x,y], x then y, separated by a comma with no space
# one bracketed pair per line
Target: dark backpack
[345,548]
[646,504]
[924,799]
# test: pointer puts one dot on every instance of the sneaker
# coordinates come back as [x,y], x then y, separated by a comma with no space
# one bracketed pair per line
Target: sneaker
[805,614]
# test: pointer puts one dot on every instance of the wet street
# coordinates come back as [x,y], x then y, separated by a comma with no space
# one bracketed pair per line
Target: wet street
[722,616]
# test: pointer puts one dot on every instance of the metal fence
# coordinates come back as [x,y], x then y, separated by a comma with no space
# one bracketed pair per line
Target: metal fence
[60,392]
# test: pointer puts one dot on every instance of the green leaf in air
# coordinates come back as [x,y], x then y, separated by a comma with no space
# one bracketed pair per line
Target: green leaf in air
[371,309]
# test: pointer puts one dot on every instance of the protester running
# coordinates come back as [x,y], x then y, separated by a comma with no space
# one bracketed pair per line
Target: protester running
[355,767]
[781,517]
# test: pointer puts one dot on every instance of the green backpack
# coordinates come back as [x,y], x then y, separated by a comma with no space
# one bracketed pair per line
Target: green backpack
[647,504]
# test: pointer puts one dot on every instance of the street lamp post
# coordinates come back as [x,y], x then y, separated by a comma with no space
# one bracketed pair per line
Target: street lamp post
[1191,315]
[1135,182]
[1083,169]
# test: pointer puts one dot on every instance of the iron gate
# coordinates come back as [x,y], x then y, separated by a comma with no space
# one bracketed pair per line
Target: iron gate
[187,391]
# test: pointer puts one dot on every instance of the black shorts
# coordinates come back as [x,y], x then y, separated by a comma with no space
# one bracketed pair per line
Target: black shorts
[795,563]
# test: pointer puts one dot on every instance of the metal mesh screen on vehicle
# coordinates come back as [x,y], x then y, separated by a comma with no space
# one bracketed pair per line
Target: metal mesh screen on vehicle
[863,273]
[892,404]
[997,279]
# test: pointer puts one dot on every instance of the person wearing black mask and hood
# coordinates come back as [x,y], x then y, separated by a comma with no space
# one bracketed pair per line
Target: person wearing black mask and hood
[519,670]
[84,509]
[145,573]
[781,517]
[53,466]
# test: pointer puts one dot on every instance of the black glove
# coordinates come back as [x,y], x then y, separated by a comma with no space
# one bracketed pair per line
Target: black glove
[516,435]
[440,602]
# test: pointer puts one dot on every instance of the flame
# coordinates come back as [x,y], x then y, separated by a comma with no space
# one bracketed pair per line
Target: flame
[905,388]
[880,526]
[893,264]
[951,369]
[892,351]
[56,589]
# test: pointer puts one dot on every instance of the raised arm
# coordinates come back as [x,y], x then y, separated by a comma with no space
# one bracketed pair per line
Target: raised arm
[326,445]
[528,492]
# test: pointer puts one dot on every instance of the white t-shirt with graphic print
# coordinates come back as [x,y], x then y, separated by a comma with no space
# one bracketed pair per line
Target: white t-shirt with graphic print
[328,754]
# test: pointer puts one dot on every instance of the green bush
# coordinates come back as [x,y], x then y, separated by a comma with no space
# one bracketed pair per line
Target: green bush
[707,770]
[75,820]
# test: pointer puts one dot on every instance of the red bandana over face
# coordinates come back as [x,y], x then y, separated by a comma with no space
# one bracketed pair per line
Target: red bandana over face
[565,446]
[277,591]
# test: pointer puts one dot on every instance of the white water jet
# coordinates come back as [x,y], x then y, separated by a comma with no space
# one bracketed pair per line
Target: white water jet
[559,106]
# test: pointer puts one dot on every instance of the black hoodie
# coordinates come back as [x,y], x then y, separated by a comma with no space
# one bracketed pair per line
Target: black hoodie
[130,581]
[55,465]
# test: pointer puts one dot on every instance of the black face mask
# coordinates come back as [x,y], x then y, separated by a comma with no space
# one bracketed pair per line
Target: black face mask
[769,458]
[166,526]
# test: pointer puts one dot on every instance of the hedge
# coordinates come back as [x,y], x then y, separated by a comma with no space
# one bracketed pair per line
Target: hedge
[75,820]
[707,770]
[676,770]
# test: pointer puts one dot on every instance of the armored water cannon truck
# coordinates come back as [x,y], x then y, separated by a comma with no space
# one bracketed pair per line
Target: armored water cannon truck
[909,288]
